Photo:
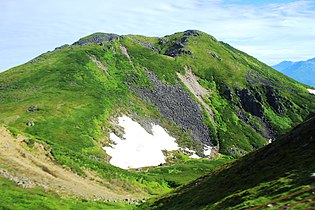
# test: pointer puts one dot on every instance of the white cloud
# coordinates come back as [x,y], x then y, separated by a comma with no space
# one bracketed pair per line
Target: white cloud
[31,27]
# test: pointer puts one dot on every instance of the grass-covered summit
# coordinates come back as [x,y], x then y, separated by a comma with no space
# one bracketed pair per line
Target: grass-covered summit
[76,90]
[204,92]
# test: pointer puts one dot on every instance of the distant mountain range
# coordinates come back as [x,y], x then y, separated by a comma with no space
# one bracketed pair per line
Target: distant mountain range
[302,71]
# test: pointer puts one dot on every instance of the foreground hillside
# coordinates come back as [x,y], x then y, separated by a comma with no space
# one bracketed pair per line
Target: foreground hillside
[302,71]
[278,175]
[86,112]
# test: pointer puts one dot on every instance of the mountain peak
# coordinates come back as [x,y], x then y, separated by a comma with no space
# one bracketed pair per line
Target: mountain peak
[97,38]
[201,96]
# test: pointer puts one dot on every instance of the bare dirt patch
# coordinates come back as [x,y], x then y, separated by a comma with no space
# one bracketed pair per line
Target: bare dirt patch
[99,64]
[191,81]
[30,167]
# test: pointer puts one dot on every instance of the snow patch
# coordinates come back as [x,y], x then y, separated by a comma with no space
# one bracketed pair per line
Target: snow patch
[311,91]
[194,156]
[207,150]
[138,148]
[191,153]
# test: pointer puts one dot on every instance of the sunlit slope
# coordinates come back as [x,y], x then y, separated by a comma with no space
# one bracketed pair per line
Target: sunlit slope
[77,89]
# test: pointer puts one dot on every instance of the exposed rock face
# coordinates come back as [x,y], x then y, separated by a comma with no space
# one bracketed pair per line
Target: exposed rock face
[177,48]
[176,105]
[266,132]
[249,102]
[191,81]
[191,33]
[227,93]
[97,39]
[254,78]
[163,41]
[274,99]
[147,45]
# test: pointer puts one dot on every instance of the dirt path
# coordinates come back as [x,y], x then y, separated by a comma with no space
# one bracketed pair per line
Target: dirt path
[34,167]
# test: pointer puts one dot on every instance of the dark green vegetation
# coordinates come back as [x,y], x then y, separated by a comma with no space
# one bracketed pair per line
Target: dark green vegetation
[279,169]
[186,169]
[67,98]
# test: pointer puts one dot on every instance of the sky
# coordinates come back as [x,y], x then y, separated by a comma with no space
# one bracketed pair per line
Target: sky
[271,31]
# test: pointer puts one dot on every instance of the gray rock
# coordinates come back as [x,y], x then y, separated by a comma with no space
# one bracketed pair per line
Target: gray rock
[227,93]
[274,100]
[267,131]
[30,123]
[192,33]
[163,41]
[178,47]
[147,45]
[99,38]
[32,108]
[249,102]
[177,106]
[216,56]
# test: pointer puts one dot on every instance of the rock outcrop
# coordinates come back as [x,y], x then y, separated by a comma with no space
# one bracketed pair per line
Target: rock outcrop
[273,99]
[177,48]
[249,102]
[147,45]
[98,38]
[176,105]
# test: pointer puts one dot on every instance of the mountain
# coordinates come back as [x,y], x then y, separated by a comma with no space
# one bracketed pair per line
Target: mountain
[302,71]
[278,175]
[86,112]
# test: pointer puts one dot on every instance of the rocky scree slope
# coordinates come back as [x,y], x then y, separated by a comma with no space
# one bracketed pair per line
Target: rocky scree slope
[274,173]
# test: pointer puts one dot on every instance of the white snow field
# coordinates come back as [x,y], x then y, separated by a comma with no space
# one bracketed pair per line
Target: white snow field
[138,148]
[311,91]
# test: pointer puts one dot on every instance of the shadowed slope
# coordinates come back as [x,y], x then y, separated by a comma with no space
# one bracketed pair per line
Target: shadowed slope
[278,169]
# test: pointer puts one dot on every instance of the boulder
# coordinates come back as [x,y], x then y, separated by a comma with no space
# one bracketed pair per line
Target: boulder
[216,56]
[32,108]
[30,123]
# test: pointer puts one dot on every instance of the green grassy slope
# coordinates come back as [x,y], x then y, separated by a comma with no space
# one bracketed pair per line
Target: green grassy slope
[14,197]
[221,67]
[279,169]
[76,100]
